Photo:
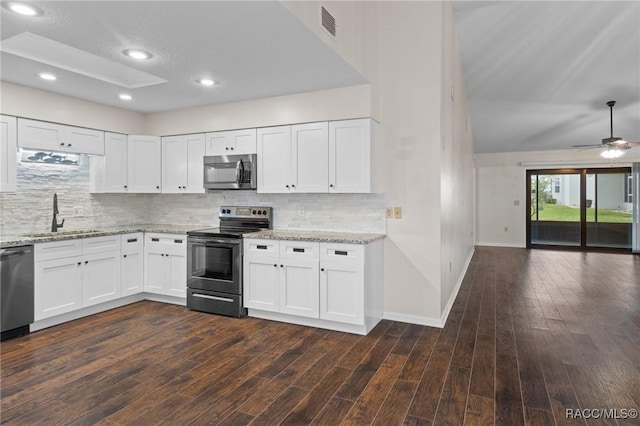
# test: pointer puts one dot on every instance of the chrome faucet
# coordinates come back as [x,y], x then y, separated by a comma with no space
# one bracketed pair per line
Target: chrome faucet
[55,225]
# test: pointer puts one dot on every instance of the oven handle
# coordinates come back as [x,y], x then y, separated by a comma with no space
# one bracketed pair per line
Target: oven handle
[206,296]
[209,241]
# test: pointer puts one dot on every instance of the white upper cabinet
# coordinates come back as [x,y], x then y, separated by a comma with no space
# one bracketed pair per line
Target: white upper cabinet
[8,149]
[274,159]
[293,158]
[351,155]
[309,171]
[115,162]
[144,165]
[59,137]
[231,142]
[182,165]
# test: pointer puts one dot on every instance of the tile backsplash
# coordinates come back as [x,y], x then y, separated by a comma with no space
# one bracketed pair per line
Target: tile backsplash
[30,208]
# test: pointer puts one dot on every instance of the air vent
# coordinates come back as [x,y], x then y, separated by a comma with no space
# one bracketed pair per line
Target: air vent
[328,22]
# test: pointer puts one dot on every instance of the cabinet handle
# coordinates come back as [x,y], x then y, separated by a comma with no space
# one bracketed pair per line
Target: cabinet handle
[155,240]
[167,255]
[125,187]
[226,148]
[86,261]
[275,266]
[132,240]
[282,266]
[330,185]
[177,242]
[157,187]
[293,186]
[61,143]
[261,247]
[322,269]
[341,253]
[79,263]
[69,145]
[124,255]
[231,148]
[298,250]
[162,254]
[287,186]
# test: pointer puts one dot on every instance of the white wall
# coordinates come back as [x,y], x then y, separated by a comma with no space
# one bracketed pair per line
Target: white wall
[26,102]
[456,168]
[500,181]
[325,105]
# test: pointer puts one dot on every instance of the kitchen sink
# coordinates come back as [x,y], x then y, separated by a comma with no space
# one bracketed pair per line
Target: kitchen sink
[53,234]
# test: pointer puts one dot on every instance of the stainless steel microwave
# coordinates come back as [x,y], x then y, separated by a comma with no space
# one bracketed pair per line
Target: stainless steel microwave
[230,172]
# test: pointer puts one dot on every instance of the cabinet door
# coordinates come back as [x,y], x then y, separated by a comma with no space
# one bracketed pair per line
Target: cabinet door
[144,165]
[299,288]
[274,159]
[310,157]
[115,163]
[176,258]
[342,292]
[101,275]
[174,164]
[132,264]
[58,287]
[8,150]
[155,272]
[261,283]
[195,165]
[40,135]
[350,156]
[217,143]
[243,141]
[85,141]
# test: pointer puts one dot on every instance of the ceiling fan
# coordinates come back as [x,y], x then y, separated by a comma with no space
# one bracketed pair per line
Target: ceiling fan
[615,147]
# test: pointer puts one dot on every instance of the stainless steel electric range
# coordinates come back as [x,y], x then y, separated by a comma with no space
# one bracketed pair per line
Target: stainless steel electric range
[214,260]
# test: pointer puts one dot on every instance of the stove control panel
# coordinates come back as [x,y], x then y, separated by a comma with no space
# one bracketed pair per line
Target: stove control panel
[245,212]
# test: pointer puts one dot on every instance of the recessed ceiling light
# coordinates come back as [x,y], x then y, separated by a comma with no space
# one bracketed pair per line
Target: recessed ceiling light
[206,82]
[125,97]
[47,76]
[24,9]
[137,54]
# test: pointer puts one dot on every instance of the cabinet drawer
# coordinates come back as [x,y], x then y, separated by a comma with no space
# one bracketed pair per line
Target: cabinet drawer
[268,248]
[100,244]
[342,252]
[57,250]
[132,243]
[152,239]
[299,250]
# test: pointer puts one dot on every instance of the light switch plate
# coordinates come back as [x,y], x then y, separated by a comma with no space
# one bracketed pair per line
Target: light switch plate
[78,212]
[389,212]
[397,212]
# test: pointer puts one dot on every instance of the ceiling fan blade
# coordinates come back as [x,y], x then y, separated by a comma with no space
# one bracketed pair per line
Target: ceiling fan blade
[590,145]
[633,143]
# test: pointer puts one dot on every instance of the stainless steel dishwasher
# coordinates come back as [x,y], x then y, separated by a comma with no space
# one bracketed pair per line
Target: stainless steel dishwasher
[16,296]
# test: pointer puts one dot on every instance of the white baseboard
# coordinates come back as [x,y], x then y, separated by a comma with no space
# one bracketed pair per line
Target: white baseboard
[454,293]
[429,321]
[500,245]
[413,319]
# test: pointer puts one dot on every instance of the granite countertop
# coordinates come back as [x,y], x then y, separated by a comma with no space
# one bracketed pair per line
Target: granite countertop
[71,234]
[319,236]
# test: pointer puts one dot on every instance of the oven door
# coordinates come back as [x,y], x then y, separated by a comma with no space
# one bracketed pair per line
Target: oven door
[214,264]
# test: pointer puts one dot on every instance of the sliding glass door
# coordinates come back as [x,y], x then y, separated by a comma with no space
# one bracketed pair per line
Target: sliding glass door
[580,208]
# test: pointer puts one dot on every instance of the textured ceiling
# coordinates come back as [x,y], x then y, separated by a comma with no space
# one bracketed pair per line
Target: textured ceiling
[255,49]
[538,74]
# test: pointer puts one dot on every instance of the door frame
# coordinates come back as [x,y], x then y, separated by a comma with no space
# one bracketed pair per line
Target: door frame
[583,172]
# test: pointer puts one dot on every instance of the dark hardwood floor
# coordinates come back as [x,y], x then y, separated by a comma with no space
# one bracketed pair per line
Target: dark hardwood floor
[531,333]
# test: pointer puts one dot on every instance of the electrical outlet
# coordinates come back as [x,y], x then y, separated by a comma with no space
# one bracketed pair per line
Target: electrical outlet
[78,211]
[506,229]
[516,202]
[389,212]
[450,266]
[397,212]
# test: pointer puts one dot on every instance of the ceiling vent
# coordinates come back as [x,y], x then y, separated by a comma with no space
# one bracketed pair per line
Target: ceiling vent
[328,22]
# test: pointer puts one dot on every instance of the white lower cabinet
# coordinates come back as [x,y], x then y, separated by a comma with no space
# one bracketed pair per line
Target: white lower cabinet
[165,264]
[317,284]
[132,281]
[72,274]
[58,286]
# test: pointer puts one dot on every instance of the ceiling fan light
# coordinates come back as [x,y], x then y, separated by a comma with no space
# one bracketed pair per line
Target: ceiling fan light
[612,153]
